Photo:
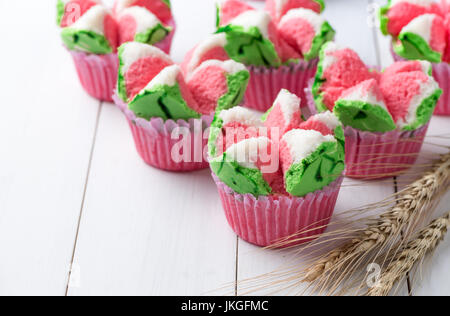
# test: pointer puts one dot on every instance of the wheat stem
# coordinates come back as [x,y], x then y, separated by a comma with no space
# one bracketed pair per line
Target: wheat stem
[425,242]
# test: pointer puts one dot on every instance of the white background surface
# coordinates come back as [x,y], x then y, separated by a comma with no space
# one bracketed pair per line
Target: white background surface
[73,189]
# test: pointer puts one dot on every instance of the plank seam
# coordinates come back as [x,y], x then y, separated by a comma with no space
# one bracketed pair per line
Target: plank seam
[91,154]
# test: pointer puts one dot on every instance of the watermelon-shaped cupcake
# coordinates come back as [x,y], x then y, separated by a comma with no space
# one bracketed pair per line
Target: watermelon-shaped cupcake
[92,34]
[420,31]
[169,113]
[138,65]
[273,187]
[87,27]
[385,114]
[280,52]
[89,32]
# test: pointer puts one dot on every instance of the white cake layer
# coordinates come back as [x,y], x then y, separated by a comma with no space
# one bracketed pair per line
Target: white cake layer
[92,20]
[229,66]
[216,40]
[329,119]
[302,143]
[359,93]
[246,152]
[145,20]
[422,26]
[167,77]
[241,115]
[289,104]
[254,18]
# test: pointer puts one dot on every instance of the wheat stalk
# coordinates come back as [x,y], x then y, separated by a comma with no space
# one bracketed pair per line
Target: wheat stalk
[363,239]
[412,202]
[425,242]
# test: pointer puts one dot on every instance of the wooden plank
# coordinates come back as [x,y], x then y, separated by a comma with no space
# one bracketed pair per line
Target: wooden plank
[145,231]
[46,131]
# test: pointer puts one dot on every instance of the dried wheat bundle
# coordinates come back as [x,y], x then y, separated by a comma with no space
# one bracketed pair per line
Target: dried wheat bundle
[355,239]
[403,262]
[412,202]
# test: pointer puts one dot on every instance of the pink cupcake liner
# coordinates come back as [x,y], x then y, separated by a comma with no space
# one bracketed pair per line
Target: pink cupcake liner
[310,102]
[381,155]
[441,73]
[97,73]
[265,83]
[267,220]
[370,156]
[156,143]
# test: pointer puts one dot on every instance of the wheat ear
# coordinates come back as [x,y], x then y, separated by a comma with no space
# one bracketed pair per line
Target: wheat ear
[411,203]
[425,242]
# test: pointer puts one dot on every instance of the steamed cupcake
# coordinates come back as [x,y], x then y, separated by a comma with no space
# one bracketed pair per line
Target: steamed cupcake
[420,31]
[276,174]
[168,112]
[385,114]
[145,21]
[92,32]
[280,51]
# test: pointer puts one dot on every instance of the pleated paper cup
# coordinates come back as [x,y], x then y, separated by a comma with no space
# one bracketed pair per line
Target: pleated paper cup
[371,156]
[168,145]
[265,83]
[279,221]
[97,73]
[309,98]
[441,73]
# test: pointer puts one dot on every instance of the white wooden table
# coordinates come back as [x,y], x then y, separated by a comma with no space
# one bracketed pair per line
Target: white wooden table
[73,191]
